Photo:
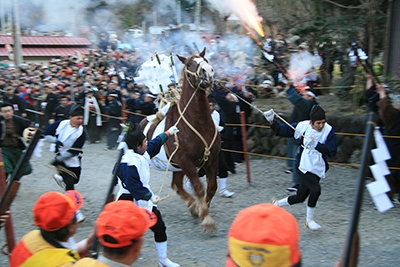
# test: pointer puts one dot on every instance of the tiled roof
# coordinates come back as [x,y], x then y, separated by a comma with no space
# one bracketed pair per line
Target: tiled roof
[49,52]
[46,40]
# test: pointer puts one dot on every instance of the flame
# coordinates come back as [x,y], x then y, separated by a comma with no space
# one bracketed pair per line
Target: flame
[253,22]
[252,34]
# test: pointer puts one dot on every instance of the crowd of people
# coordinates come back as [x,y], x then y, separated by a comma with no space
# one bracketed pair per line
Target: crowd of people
[84,94]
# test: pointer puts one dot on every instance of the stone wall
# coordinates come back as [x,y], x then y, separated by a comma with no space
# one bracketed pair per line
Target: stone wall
[262,140]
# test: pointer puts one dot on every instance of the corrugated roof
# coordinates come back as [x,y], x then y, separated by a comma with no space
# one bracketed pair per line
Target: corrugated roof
[46,40]
[47,52]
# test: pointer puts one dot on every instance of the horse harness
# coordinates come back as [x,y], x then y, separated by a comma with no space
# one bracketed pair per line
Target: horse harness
[198,80]
[196,74]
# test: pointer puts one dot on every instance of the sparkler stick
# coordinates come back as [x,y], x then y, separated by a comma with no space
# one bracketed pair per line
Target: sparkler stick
[197,49]
[173,67]
[159,70]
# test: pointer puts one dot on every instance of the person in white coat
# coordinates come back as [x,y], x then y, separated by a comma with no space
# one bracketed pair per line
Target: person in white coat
[134,181]
[69,138]
[319,143]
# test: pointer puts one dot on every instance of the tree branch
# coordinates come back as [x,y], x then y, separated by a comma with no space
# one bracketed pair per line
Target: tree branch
[342,6]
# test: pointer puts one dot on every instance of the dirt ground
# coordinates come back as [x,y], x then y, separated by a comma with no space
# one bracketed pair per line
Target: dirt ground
[190,246]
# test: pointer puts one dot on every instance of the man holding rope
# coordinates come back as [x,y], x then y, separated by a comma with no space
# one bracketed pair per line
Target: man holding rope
[69,137]
[318,143]
[134,179]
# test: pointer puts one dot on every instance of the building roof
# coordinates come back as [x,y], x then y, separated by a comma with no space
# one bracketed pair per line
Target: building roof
[47,52]
[46,40]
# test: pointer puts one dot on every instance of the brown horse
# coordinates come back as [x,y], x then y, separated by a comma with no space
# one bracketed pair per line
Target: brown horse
[197,143]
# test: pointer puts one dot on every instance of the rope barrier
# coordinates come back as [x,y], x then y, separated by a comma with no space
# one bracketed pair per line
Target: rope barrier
[264,126]
[232,124]
[322,87]
[278,157]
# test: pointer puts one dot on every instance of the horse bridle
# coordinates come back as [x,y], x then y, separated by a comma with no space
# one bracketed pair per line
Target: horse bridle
[196,75]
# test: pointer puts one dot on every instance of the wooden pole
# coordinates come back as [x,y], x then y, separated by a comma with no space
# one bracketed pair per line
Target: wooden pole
[244,141]
[351,248]
[10,237]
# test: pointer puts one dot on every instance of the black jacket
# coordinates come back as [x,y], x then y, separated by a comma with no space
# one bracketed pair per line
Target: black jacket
[19,124]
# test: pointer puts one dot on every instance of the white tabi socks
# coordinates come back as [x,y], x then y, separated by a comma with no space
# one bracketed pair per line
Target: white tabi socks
[162,255]
[223,192]
[280,203]
[310,223]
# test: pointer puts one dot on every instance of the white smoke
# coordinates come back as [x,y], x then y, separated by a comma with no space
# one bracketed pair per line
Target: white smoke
[303,63]
[237,7]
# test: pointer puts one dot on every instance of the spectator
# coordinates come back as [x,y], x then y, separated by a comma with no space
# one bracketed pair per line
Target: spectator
[120,228]
[15,101]
[133,105]
[148,107]
[264,235]
[62,110]
[114,109]
[49,104]
[54,214]
[230,114]
[92,116]
[11,132]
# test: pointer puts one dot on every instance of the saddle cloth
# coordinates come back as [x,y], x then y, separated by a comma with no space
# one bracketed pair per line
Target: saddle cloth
[159,161]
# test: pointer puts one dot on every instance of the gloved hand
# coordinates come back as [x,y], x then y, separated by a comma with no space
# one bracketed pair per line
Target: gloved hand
[54,162]
[173,130]
[155,198]
[59,144]
[269,115]
[310,142]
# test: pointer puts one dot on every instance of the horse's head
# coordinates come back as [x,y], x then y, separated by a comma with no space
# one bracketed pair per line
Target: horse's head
[197,70]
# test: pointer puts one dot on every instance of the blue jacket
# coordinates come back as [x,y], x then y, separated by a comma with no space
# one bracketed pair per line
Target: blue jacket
[328,149]
[130,176]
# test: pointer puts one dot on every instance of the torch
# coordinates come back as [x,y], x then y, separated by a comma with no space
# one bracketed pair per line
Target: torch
[269,55]
[362,60]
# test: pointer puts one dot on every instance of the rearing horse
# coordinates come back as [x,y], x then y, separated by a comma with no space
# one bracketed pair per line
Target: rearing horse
[198,142]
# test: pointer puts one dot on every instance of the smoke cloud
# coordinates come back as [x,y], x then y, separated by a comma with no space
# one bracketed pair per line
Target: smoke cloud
[237,7]
[301,67]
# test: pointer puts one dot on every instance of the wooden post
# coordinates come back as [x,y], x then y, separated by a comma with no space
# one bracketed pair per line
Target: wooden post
[244,141]
[10,237]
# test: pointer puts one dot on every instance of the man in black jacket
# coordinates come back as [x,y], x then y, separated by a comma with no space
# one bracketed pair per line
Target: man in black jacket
[62,110]
[16,102]
[49,104]
[114,110]
[11,132]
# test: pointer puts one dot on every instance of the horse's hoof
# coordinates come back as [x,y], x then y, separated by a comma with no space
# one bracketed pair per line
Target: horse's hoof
[208,224]
[193,209]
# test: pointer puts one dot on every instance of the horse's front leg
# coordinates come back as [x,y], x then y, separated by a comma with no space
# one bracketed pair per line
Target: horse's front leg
[208,223]
[211,173]
[177,185]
